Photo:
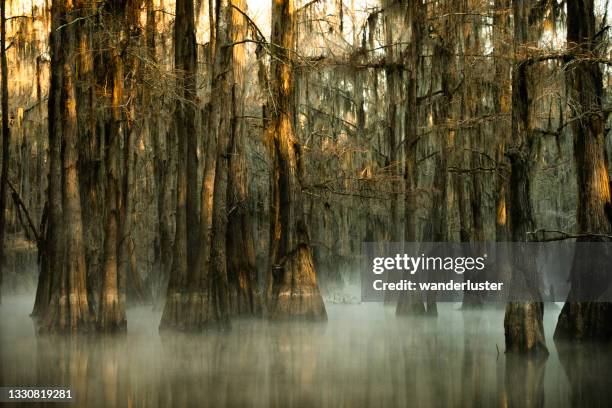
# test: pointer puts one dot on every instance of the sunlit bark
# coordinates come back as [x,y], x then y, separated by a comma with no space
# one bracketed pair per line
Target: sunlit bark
[245,298]
[292,288]
[523,322]
[587,320]
[69,308]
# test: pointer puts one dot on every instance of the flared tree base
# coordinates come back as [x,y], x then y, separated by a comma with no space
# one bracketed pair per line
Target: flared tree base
[111,317]
[297,296]
[585,321]
[410,304]
[64,316]
[245,302]
[192,312]
[523,328]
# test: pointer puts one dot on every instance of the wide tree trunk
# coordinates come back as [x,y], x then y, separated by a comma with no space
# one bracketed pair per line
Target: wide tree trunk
[90,147]
[245,298]
[162,174]
[176,309]
[68,308]
[111,309]
[442,76]
[587,320]
[50,258]
[409,302]
[216,286]
[523,322]
[292,289]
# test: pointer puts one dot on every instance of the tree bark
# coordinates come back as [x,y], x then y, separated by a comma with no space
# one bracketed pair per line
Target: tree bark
[50,258]
[69,309]
[502,107]
[161,162]
[111,310]
[292,289]
[586,320]
[410,303]
[523,322]
[245,298]
[91,156]
[185,60]
[217,292]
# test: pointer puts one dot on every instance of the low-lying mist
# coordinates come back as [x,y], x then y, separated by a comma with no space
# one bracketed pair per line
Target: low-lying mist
[363,356]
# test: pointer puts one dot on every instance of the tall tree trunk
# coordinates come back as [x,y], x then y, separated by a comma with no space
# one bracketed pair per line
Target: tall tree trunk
[392,77]
[161,163]
[292,288]
[6,137]
[587,320]
[176,310]
[208,178]
[442,76]
[111,310]
[131,283]
[90,146]
[50,258]
[523,322]
[241,263]
[409,302]
[217,292]
[502,106]
[470,201]
[69,308]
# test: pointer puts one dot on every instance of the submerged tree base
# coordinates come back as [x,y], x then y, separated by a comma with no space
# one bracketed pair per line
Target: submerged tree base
[245,302]
[523,328]
[65,317]
[111,317]
[297,296]
[191,312]
[585,321]
[410,304]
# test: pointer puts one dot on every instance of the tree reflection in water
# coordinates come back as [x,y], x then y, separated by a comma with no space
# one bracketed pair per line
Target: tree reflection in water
[363,356]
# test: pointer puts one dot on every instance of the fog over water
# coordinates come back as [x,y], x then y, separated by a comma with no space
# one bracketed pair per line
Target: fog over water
[363,356]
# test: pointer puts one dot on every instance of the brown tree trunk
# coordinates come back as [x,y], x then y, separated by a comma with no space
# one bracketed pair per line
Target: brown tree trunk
[409,302]
[502,106]
[50,258]
[111,309]
[470,200]
[161,163]
[177,309]
[245,298]
[90,154]
[292,288]
[217,292]
[442,76]
[586,320]
[6,137]
[208,179]
[523,322]
[69,304]
[131,283]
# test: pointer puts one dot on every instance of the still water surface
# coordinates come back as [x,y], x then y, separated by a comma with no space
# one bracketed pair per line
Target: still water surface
[363,356]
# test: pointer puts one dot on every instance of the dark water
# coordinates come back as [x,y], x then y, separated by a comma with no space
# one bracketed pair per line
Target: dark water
[364,356]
